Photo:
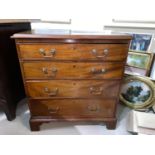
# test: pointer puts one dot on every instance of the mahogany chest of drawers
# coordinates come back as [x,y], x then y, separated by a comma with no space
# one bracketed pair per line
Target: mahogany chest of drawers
[72,77]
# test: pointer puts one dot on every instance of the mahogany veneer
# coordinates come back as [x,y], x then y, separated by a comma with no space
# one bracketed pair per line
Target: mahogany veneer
[72,77]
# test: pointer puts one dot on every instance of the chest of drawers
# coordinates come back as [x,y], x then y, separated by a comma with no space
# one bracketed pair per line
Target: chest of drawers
[70,77]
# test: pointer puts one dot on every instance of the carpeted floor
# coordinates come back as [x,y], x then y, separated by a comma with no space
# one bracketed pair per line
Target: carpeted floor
[20,126]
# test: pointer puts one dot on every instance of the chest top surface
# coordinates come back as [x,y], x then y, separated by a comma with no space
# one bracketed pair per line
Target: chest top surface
[70,34]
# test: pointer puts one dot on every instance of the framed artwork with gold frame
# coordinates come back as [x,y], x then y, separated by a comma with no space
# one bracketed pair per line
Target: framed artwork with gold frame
[137,92]
[139,63]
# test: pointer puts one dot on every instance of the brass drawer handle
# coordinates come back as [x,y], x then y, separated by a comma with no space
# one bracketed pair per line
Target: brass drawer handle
[53,71]
[53,52]
[53,111]
[96,91]
[44,53]
[93,108]
[95,71]
[45,70]
[95,53]
[51,93]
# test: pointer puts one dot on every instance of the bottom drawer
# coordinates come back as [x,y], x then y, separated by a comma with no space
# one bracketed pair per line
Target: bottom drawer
[70,108]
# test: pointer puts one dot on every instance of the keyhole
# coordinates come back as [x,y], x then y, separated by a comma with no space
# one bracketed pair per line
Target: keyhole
[74,84]
[74,66]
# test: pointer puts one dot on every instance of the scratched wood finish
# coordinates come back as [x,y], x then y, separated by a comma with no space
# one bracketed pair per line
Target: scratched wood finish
[116,52]
[73,108]
[73,88]
[72,70]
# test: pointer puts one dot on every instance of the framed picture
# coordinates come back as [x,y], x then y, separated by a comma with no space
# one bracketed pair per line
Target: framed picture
[153,108]
[141,42]
[139,63]
[152,72]
[136,71]
[137,92]
[140,60]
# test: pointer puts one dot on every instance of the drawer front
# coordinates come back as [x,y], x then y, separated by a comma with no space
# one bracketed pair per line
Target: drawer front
[73,88]
[57,70]
[107,52]
[73,108]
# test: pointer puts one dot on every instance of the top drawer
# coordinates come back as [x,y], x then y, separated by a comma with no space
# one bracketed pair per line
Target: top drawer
[106,52]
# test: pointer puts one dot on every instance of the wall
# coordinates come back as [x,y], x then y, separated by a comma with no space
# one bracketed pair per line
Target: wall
[85,14]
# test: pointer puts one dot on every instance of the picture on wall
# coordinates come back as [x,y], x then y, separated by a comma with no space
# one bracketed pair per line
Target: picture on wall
[140,42]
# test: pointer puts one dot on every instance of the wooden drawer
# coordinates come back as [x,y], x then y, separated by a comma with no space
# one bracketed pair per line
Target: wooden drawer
[70,108]
[62,70]
[73,88]
[107,52]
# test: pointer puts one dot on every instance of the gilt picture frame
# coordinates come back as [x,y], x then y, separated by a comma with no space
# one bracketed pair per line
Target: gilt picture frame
[137,92]
[139,60]
[139,63]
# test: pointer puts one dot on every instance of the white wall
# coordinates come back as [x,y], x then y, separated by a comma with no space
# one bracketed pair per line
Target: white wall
[85,14]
